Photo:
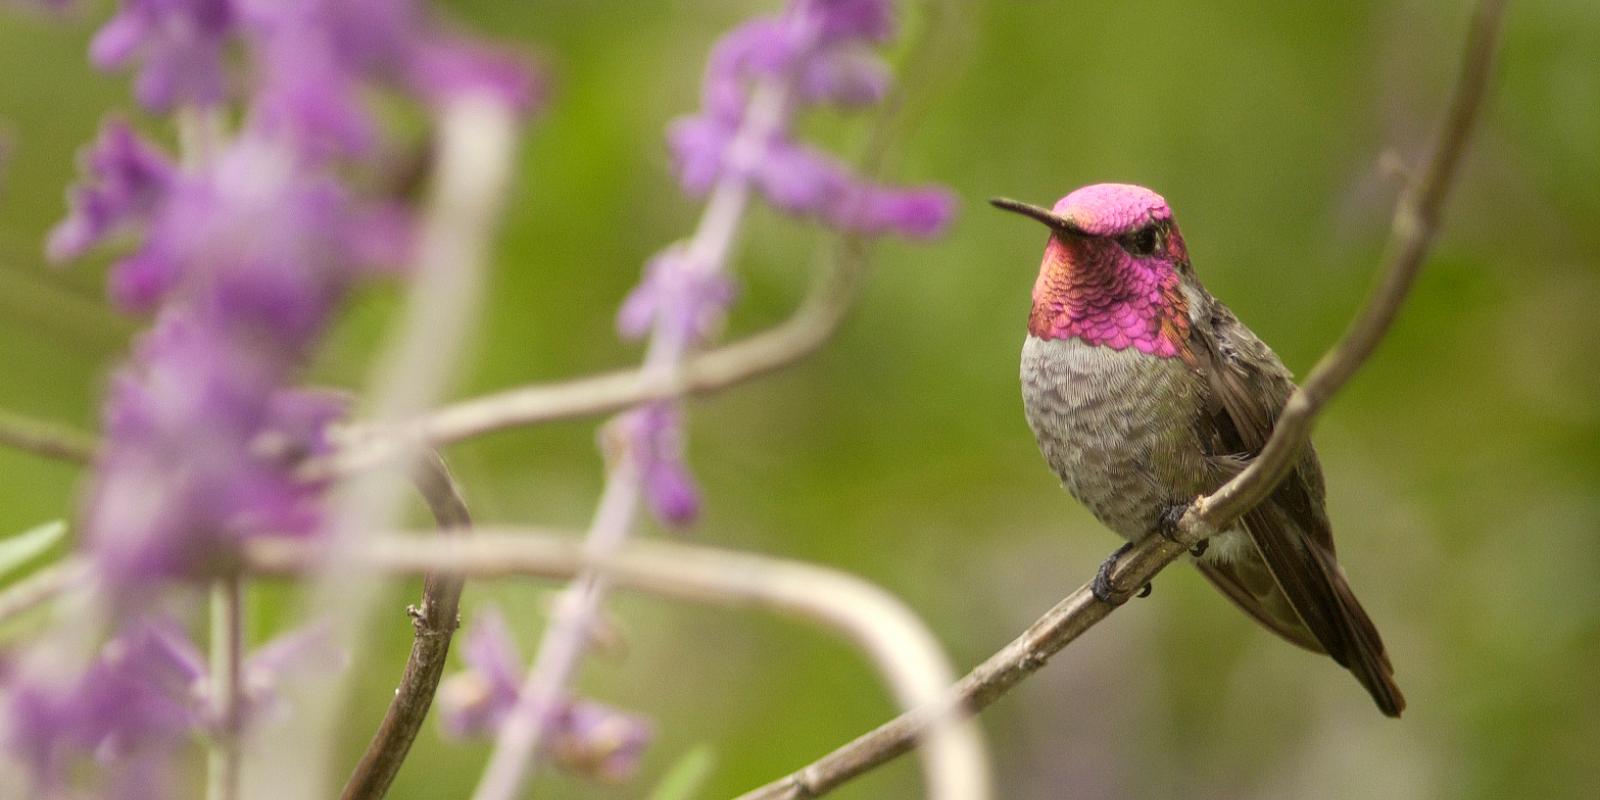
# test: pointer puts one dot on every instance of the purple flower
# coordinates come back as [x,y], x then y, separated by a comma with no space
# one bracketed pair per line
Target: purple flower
[676,299]
[653,436]
[474,702]
[178,43]
[869,20]
[913,213]
[698,145]
[315,58]
[124,181]
[127,706]
[441,69]
[761,46]
[801,180]
[200,453]
[144,694]
[587,737]
[848,78]
[818,50]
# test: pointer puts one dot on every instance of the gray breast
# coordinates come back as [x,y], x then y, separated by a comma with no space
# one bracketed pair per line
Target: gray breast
[1117,426]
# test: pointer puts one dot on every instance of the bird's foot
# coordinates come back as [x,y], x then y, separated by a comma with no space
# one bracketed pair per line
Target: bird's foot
[1107,592]
[1167,527]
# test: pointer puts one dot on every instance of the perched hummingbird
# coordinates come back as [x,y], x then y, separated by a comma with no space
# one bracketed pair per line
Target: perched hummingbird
[1145,392]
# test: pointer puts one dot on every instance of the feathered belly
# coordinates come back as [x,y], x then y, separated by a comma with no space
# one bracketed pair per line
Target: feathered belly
[1117,426]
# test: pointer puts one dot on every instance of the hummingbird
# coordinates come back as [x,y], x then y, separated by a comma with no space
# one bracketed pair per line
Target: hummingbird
[1145,392]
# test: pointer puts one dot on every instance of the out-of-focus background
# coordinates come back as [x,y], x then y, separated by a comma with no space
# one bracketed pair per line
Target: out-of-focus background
[1463,464]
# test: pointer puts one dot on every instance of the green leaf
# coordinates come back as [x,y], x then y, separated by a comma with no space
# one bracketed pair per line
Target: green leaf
[18,550]
[686,777]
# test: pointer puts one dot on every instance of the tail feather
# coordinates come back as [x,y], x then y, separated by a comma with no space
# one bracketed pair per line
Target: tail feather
[1310,580]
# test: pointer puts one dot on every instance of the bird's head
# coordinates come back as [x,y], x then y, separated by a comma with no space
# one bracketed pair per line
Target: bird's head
[1111,268]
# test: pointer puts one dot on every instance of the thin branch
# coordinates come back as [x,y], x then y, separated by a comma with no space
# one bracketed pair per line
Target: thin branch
[226,689]
[434,619]
[45,438]
[1415,222]
[898,643]
[812,324]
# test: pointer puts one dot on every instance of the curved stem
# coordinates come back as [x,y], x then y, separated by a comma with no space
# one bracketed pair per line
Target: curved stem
[434,619]
[898,643]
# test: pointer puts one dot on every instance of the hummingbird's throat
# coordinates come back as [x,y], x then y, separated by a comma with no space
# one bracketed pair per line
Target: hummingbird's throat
[1092,291]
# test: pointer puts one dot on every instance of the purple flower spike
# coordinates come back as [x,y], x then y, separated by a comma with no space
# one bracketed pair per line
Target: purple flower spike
[587,738]
[124,180]
[818,49]
[179,44]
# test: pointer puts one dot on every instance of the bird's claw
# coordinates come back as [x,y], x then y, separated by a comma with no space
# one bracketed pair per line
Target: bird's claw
[1167,527]
[1103,588]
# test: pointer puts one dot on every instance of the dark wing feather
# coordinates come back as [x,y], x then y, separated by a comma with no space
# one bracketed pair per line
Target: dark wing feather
[1249,386]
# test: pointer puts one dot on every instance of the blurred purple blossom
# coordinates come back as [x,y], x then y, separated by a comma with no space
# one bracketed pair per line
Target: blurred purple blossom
[178,45]
[310,59]
[246,255]
[141,697]
[815,52]
[655,432]
[587,737]
[676,298]
[125,179]
[818,49]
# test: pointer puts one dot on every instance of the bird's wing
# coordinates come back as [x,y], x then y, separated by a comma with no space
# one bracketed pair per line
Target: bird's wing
[1248,388]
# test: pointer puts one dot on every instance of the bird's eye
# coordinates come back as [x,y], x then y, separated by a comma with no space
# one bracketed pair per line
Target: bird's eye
[1141,242]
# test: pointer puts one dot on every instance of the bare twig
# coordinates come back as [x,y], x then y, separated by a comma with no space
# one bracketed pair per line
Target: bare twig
[898,643]
[1415,222]
[45,438]
[435,619]
[801,334]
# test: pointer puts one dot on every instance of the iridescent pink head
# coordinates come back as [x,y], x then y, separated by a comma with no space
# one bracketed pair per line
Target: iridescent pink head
[1112,271]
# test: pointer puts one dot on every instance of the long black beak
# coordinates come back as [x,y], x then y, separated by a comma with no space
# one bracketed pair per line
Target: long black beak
[1056,222]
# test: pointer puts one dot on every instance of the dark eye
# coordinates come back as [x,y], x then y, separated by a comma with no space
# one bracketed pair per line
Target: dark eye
[1141,242]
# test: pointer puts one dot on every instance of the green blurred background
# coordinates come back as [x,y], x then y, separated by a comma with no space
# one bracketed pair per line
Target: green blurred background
[1463,463]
